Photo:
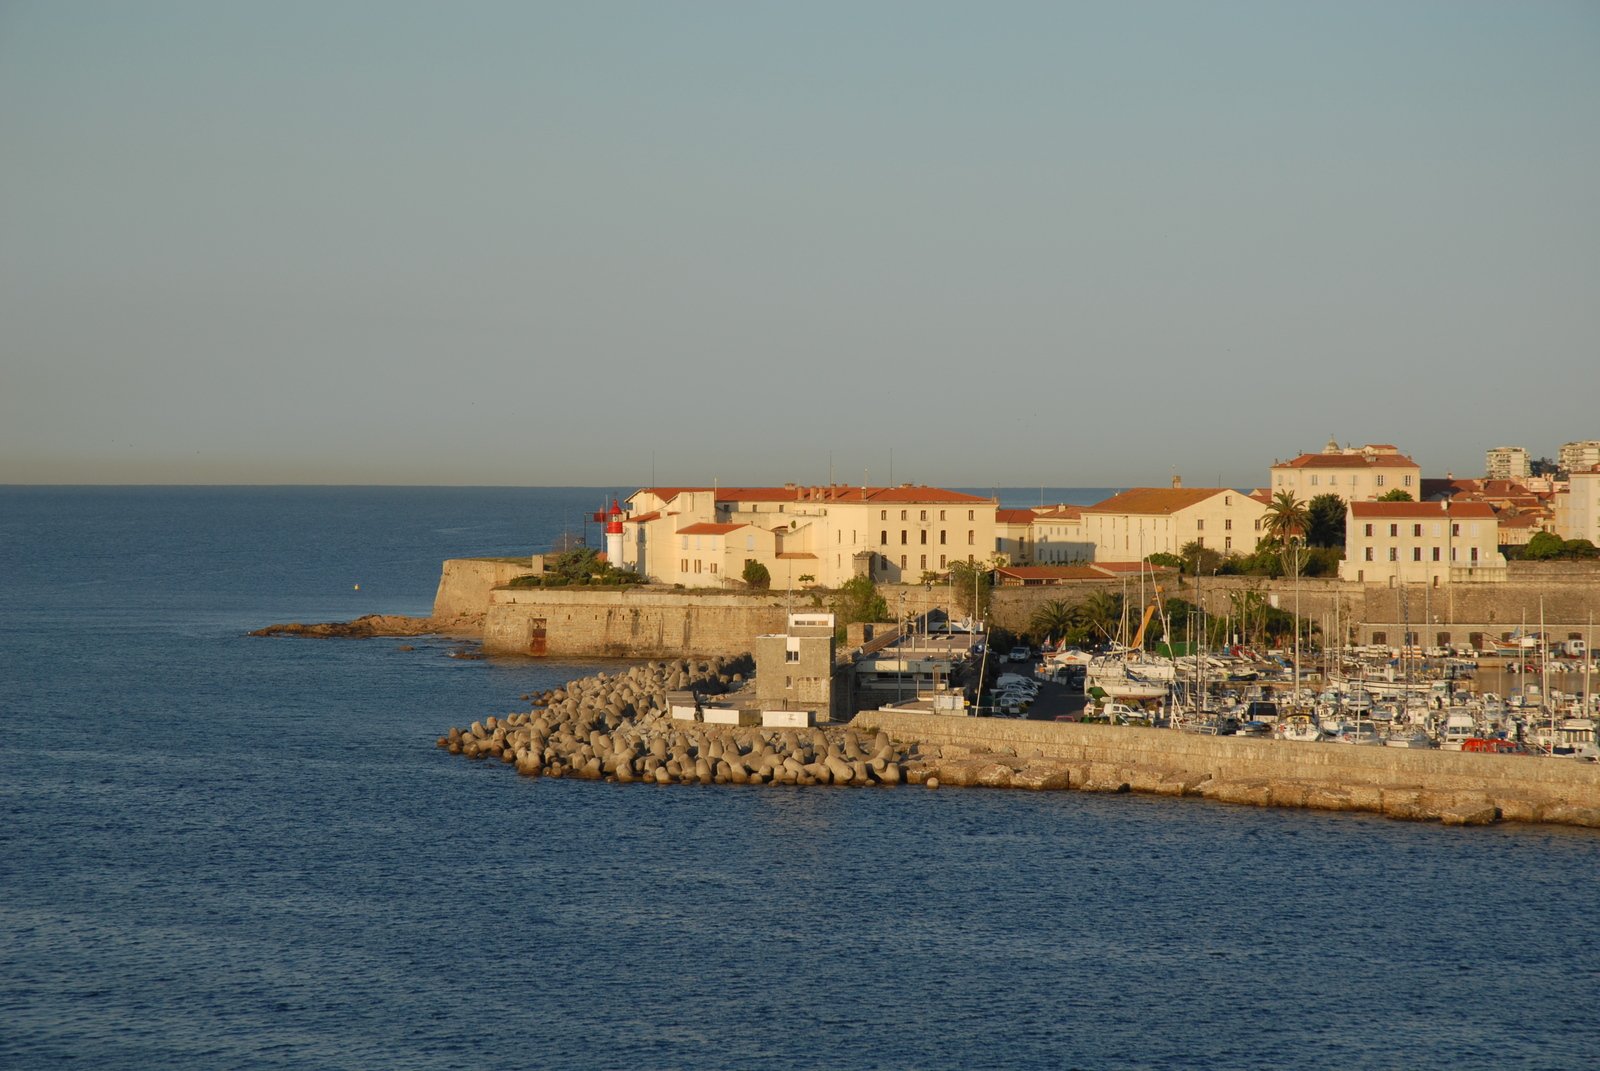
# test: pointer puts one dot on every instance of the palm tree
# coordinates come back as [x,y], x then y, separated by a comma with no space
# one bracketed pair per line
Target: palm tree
[1054,619]
[1286,518]
[1102,614]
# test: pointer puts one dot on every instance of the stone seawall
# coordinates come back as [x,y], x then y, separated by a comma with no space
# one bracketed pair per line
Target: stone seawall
[465,584]
[633,622]
[1402,783]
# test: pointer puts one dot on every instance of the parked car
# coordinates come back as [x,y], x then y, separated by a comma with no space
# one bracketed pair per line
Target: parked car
[1020,654]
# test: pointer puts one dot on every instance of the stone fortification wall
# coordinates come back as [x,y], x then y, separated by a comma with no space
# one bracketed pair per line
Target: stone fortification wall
[465,584]
[635,622]
[1392,781]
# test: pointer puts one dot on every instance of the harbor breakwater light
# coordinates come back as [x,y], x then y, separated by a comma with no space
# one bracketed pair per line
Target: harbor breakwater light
[619,728]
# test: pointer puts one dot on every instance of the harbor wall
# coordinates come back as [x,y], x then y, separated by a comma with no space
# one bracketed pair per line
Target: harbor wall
[1397,781]
[634,622]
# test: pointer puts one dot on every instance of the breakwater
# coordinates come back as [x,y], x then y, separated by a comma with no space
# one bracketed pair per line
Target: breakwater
[1448,786]
[619,727]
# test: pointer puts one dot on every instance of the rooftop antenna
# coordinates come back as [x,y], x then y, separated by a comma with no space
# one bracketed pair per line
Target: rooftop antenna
[891,466]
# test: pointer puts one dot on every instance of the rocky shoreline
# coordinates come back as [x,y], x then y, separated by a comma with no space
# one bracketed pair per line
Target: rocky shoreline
[618,728]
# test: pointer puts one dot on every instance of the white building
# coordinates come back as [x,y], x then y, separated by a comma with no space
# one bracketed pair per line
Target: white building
[1578,509]
[1506,463]
[1421,543]
[1135,524]
[1580,455]
[1354,473]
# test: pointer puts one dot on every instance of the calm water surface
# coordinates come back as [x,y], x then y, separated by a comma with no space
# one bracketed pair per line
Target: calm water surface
[223,852]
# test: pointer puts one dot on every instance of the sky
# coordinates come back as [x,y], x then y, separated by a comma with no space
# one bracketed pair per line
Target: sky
[963,244]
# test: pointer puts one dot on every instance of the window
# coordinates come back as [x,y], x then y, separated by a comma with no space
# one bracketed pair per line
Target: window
[1369,554]
[923,537]
[713,567]
[1394,554]
[923,515]
[1394,531]
[1474,555]
[902,515]
[1452,553]
[969,515]
[941,561]
[1416,531]
[902,563]
[1200,541]
[1380,479]
[791,655]
[971,537]
[1200,525]
[1227,500]
[941,515]
[1227,525]
[1455,529]
[683,565]
[883,538]
[1227,543]
[924,564]
[1416,554]
[883,515]
[1313,479]
[1369,530]
[941,537]
[1435,553]
[903,537]
[1408,481]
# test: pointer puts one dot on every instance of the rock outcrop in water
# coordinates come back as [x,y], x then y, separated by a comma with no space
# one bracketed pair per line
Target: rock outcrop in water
[361,628]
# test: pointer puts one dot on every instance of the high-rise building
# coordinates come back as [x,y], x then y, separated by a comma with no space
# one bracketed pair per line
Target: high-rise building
[1506,463]
[1578,456]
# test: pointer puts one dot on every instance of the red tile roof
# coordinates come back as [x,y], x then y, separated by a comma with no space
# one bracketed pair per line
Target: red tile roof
[1347,461]
[1158,500]
[1015,516]
[1123,568]
[1422,510]
[908,493]
[707,528]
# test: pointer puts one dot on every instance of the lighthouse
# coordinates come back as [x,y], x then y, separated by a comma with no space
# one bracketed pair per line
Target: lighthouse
[614,535]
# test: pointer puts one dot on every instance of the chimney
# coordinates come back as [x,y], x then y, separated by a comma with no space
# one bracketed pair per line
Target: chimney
[1177,482]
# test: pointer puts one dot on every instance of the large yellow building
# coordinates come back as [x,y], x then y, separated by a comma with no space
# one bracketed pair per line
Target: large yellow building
[1355,474]
[1135,524]
[804,535]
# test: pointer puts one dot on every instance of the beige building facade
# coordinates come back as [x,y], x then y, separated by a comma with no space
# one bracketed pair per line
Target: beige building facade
[1575,457]
[1143,521]
[1421,543]
[1578,508]
[804,535]
[1355,474]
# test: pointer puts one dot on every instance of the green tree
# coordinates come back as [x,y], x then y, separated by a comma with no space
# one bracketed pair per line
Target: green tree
[1579,548]
[1101,613]
[757,575]
[1199,559]
[1325,521]
[1543,547]
[1055,619]
[1397,495]
[858,599]
[970,584]
[1286,518]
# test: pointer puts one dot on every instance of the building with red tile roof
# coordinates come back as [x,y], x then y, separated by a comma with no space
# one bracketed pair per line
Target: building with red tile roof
[1353,473]
[1134,524]
[1422,543]
[804,534]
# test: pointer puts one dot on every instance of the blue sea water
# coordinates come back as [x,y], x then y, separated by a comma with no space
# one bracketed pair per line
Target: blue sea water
[226,852]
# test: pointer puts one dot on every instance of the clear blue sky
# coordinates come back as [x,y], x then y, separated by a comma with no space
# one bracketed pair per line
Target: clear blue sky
[578,243]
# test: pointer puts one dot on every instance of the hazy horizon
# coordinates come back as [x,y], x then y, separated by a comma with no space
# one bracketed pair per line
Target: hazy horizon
[507,244]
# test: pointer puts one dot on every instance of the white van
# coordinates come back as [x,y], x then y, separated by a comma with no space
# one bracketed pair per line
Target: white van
[1574,648]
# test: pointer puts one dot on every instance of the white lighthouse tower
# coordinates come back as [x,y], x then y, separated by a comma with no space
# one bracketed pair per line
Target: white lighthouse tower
[614,535]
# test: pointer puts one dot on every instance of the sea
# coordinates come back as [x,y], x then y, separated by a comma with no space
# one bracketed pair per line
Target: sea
[227,852]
